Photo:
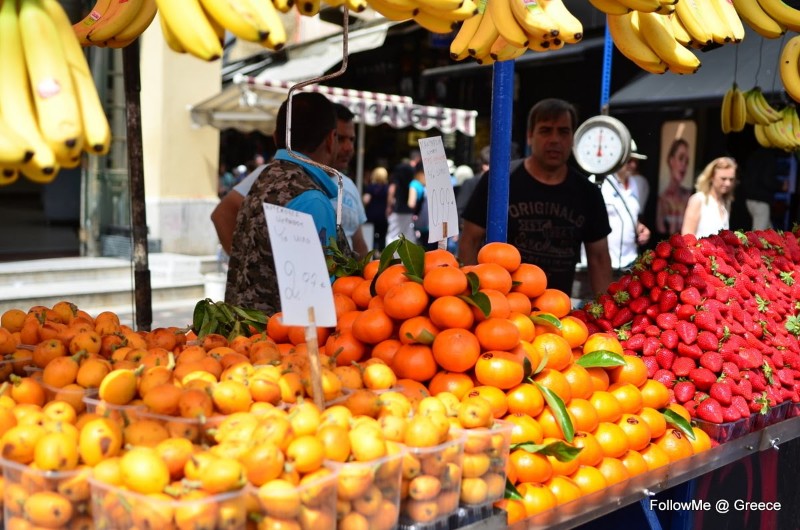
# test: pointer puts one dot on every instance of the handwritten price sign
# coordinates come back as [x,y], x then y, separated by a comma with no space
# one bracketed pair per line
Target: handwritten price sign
[439,190]
[303,277]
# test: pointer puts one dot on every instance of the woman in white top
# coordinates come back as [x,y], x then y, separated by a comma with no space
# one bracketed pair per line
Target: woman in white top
[708,210]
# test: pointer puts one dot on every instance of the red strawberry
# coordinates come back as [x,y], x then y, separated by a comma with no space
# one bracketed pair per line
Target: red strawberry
[685,312]
[679,268]
[744,388]
[663,249]
[683,255]
[652,331]
[654,294]
[650,346]
[722,392]
[667,301]
[785,376]
[705,320]
[687,331]
[665,358]
[681,241]
[622,317]
[669,339]
[684,391]
[635,289]
[741,405]
[675,282]
[664,377]
[709,410]
[758,381]
[702,378]
[730,371]
[652,366]
[661,278]
[691,296]
[730,413]
[691,407]
[647,277]
[639,324]
[712,361]
[639,305]
[749,358]
[689,350]
[634,342]
[666,320]
[659,264]
[707,341]
[609,308]
[681,366]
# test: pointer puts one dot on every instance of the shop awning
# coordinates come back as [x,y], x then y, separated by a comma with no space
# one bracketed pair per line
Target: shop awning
[754,61]
[250,104]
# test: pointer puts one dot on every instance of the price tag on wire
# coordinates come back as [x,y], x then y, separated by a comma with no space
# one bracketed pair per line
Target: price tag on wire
[442,212]
[303,279]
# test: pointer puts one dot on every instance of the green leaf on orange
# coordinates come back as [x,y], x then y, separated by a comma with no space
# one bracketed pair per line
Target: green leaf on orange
[559,411]
[479,300]
[679,422]
[412,256]
[561,451]
[546,319]
[511,491]
[601,359]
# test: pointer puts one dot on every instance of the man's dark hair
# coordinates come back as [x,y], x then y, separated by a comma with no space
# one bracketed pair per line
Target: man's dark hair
[551,109]
[313,118]
[343,113]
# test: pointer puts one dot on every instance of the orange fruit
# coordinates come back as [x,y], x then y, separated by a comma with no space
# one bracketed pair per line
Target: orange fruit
[607,405]
[602,341]
[680,410]
[457,383]
[563,488]
[530,467]
[529,280]
[675,444]
[372,326]
[503,254]
[497,334]
[584,414]
[438,258]
[496,398]
[415,362]
[612,439]
[524,324]
[559,467]
[498,305]
[555,349]
[515,510]
[536,497]
[389,277]
[499,369]
[525,398]
[519,303]
[634,462]
[405,300]
[629,397]
[580,381]
[613,470]
[654,456]
[591,453]
[555,381]
[599,378]
[655,420]
[574,331]
[634,372]
[525,429]
[553,301]
[493,276]
[654,394]
[451,312]
[589,479]
[456,349]
[701,442]
[445,281]
[636,429]
[550,426]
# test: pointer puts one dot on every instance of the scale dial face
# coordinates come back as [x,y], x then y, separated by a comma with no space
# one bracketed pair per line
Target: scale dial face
[602,145]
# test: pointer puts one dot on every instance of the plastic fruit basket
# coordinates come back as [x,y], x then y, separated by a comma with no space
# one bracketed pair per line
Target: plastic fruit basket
[725,432]
[308,506]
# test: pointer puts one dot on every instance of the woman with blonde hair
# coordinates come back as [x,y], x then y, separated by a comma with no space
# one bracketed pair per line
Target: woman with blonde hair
[374,198]
[708,210]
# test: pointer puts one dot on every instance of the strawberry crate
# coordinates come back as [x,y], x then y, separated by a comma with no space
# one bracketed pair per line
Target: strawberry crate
[725,432]
[773,415]
[793,411]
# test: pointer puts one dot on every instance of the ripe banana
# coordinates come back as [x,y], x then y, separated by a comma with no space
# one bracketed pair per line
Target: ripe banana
[16,102]
[8,175]
[502,50]
[533,20]
[460,43]
[172,41]
[235,16]
[506,23]
[84,26]
[658,34]
[738,110]
[14,149]
[96,130]
[570,29]
[628,39]
[467,10]
[52,87]
[681,35]
[610,7]
[356,6]
[481,42]
[391,11]
[758,109]
[788,65]
[441,5]
[643,6]
[727,13]
[758,20]
[267,17]
[192,30]
[118,17]
[308,8]
[717,26]
[725,111]
[140,23]
[761,136]
[782,13]
[433,23]
[692,20]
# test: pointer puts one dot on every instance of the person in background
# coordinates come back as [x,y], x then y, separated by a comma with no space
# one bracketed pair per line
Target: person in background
[418,204]
[672,201]
[642,184]
[552,208]
[708,210]
[290,180]
[621,194]
[398,214]
[224,214]
[226,180]
[760,182]
[374,199]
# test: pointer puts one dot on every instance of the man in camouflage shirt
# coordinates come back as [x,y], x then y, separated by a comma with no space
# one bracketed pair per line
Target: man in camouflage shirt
[290,182]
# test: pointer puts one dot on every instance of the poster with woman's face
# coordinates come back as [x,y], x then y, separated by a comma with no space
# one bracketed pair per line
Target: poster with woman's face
[677,158]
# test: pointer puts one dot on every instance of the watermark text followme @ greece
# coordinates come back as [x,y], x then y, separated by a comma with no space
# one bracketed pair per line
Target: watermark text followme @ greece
[720,506]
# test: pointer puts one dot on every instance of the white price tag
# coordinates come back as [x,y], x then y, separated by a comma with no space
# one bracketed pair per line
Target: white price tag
[439,190]
[303,279]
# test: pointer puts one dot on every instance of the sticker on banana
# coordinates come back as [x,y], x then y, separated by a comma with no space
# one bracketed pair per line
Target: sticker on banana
[118,17]
[533,20]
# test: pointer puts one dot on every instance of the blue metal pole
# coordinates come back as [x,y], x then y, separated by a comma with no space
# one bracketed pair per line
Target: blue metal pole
[605,87]
[500,150]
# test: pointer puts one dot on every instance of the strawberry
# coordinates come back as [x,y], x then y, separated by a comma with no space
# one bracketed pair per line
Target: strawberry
[709,410]
[687,331]
[661,278]
[664,377]
[679,268]
[652,366]
[639,305]
[665,358]
[652,331]
[689,350]
[685,312]
[750,358]
[659,264]
[675,282]
[667,301]
[683,255]
[691,295]
[654,294]
[681,366]
[622,317]
[650,346]
[635,289]
[691,408]
[730,413]
[741,405]
[758,380]
[648,278]
[609,308]
[666,320]
[681,241]
[639,324]
[707,341]
[722,392]
[684,391]
[785,376]
[705,320]
[712,361]
[669,339]
[702,378]
[663,249]
[730,371]
[634,342]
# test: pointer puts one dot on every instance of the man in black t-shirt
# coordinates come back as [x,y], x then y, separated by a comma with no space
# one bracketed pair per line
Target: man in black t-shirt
[552,208]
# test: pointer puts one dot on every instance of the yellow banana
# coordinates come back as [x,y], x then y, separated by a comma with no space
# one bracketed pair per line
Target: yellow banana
[16,103]
[433,23]
[758,20]
[481,42]
[96,131]
[308,8]
[356,5]
[8,175]
[533,20]
[738,110]
[717,26]
[53,91]
[284,6]
[459,44]
[506,23]
[788,67]
[692,20]
[234,15]
[658,34]
[84,26]
[788,115]
[118,17]
[570,29]
[441,5]
[502,50]
[628,39]
[680,33]
[725,111]
[782,13]
[665,9]
[14,149]
[643,6]
[188,24]
[169,37]
[268,19]
[391,11]
[761,136]
[610,7]
[140,23]
[330,3]
[727,13]
[467,10]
